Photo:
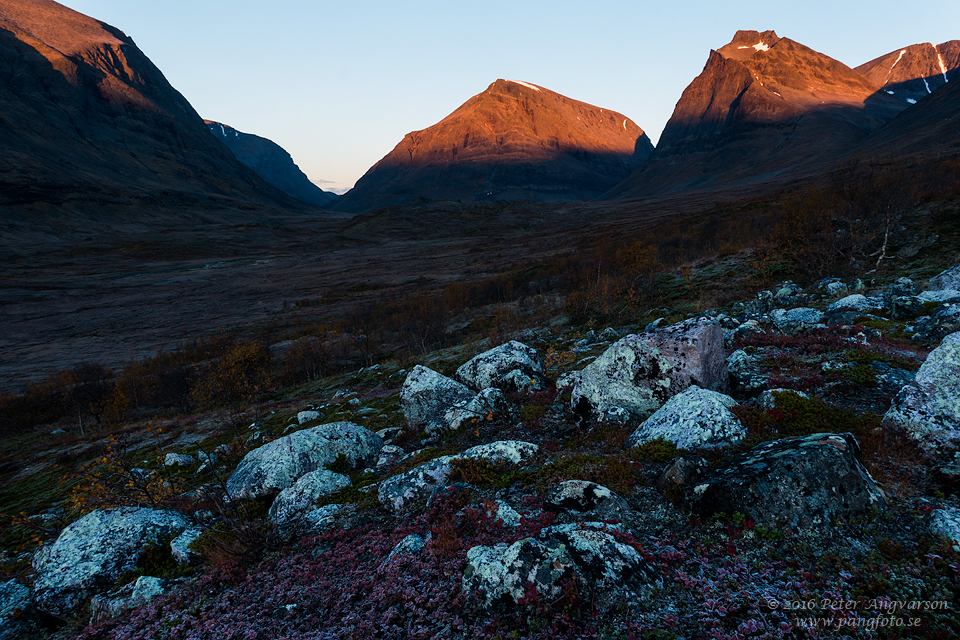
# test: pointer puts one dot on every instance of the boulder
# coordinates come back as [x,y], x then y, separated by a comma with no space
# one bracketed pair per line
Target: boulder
[15,606]
[389,454]
[681,473]
[277,465]
[797,319]
[308,416]
[745,376]
[949,279]
[180,546]
[408,491]
[506,514]
[786,291]
[92,552]
[607,570]
[413,544]
[799,482]
[426,397]
[580,497]
[293,502]
[638,373]
[944,320]
[836,289]
[857,302]
[515,451]
[902,287]
[490,405]
[943,295]
[322,518]
[928,409]
[946,524]
[129,597]
[512,367]
[178,460]
[905,307]
[694,418]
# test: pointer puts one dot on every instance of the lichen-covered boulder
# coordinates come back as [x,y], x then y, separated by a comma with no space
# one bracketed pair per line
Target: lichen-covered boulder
[410,490]
[413,544]
[797,319]
[581,497]
[129,597]
[942,321]
[15,606]
[800,482]
[308,415]
[946,523]
[745,375]
[180,546]
[293,502]
[322,518]
[515,451]
[512,367]
[948,279]
[857,302]
[928,409]
[942,295]
[178,460]
[606,569]
[490,405]
[638,373]
[694,418]
[277,465]
[92,552]
[426,396]
[905,307]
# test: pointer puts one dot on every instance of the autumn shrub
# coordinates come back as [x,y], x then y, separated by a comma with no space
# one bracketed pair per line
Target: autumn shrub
[238,377]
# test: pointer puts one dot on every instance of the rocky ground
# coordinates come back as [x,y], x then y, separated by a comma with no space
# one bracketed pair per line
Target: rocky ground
[783,467]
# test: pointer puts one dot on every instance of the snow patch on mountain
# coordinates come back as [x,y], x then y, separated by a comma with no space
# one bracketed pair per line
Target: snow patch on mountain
[902,51]
[526,84]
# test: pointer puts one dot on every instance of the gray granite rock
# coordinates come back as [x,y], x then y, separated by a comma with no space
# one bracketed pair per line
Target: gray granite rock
[800,482]
[180,546]
[178,460]
[511,367]
[490,405]
[946,524]
[694,418]
[581,498]
[745,376]
[638,373]
[928,409]
[408,491]
[947,279]
[92,552]
[515,451]
[426,396]
[294,502]
[129,597]
[277,465]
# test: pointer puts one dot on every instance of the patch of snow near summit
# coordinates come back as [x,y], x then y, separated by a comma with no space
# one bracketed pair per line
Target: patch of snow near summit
[911,101]
[526,84]
[761,46]
[624,124]
[927,86]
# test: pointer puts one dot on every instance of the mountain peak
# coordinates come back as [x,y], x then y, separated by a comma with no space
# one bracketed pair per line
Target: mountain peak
[746,44]
[515,140]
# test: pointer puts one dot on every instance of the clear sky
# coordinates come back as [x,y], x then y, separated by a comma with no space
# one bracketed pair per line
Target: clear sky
[338,84]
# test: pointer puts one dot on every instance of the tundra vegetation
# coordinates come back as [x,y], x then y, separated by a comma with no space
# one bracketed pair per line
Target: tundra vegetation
[92,438]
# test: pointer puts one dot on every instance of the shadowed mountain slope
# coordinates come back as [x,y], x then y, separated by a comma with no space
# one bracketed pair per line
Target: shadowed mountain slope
[763,106]
[914,72]
[271,162]
[513,141]
[86,118]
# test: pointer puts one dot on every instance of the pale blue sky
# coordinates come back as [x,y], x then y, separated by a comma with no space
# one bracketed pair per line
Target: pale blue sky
[338,84]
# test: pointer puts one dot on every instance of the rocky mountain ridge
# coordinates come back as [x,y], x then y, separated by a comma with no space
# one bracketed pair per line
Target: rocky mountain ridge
[515,140]
[271,162]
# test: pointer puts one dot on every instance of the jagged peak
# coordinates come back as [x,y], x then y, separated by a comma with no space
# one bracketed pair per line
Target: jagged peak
[746,44]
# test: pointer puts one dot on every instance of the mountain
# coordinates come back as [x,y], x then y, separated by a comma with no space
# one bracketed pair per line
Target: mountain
[916,71]
[88,122]
[271,162]
[514,141]
[763,106]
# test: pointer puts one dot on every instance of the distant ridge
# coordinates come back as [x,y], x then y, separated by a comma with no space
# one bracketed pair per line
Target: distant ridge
[86,120]
[514,141]
[912,73]
[271,162]
[763,106]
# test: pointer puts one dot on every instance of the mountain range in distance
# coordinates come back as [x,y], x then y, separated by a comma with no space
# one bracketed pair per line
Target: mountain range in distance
[271,162]
[89,124]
